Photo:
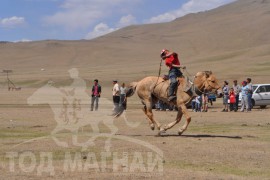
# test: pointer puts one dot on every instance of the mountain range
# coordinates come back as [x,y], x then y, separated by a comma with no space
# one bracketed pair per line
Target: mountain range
[233,41]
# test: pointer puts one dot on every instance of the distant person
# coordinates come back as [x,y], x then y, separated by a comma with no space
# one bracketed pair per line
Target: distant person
[123,99]
[96,91]
[244,98]
[116,97]
[205,100]
[250,92]
[157,106]
[198,101]
[172,61]
[237,90]
[193,104]
[210,100]
[232,100]
[160,106]
[225,91]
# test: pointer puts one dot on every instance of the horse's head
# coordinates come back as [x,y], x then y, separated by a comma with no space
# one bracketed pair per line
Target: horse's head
[206,80]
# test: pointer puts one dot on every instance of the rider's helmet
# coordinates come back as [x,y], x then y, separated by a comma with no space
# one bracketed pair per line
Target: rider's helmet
[162,53]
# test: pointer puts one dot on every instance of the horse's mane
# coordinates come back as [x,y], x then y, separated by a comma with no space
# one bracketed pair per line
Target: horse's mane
[207,73]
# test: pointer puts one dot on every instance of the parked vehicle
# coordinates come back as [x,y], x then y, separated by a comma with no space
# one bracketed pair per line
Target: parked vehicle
[260,96]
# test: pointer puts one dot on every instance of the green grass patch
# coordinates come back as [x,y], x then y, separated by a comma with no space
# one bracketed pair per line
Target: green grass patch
[220,169]
[18,133]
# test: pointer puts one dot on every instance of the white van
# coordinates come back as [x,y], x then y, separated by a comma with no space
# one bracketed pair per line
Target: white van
[260,96]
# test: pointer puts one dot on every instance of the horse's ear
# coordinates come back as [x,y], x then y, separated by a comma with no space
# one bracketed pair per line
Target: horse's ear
[208,73]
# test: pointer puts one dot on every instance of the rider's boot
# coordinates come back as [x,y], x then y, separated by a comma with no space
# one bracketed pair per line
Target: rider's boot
[171,94]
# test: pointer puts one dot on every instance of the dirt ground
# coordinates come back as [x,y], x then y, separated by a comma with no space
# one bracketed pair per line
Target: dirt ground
[216,145]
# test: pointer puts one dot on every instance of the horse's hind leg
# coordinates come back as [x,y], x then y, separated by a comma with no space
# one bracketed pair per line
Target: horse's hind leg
[188,119]
[148,112]
[151,123]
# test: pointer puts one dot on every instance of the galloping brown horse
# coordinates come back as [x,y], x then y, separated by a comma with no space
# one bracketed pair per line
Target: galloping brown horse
[151,89]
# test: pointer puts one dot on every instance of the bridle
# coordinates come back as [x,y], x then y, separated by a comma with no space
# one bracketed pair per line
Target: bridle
[199,91]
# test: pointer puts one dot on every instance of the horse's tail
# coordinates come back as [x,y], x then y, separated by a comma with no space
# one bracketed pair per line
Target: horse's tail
[131,89]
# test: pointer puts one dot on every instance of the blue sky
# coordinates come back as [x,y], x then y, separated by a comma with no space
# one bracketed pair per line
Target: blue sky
[30,20]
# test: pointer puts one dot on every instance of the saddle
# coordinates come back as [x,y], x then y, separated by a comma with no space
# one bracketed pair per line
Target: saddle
[187,87]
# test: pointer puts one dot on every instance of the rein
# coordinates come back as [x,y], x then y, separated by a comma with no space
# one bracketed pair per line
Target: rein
[158,75]
[195,89]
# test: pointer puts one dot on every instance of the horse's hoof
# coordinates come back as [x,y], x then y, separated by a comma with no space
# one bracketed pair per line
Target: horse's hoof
[152,126]
[161,132]
[180,133]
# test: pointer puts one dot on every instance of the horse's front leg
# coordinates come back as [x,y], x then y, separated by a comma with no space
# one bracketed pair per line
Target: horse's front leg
[188,119]
[170,125]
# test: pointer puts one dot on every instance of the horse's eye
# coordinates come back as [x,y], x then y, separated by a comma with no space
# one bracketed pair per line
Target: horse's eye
[213,81]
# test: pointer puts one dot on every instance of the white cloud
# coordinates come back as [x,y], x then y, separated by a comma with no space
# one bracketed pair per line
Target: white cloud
[192,6]
[12,22]
[102,28]
[75,19]
[23,40]
[99,30]
[126,21]
[80,14]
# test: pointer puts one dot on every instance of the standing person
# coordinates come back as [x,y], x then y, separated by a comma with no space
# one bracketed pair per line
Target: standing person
[193,104]
[96,91]
[244,100]
[157,106]
[123,99]
[162,106]
[198,100]
[172,61]
[205,101]
[237,90]
[225,91]
[249,95]
[116,96]
[232,100]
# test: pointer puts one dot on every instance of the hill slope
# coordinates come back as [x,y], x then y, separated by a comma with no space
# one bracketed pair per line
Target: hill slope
[232,40]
